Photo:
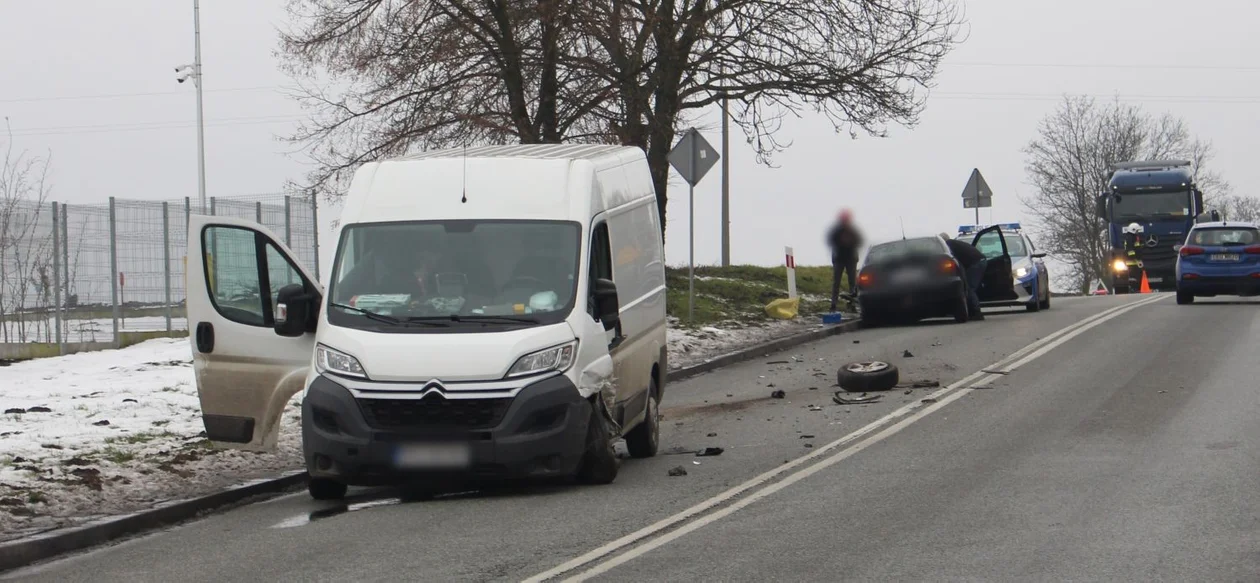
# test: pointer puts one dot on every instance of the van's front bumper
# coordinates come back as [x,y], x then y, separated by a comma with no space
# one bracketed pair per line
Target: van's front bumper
[541,432]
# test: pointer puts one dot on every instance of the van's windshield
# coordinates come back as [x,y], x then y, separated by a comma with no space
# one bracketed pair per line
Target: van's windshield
[428,276]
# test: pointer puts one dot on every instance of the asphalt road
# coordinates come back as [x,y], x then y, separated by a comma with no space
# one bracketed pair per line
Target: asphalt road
[1117,440]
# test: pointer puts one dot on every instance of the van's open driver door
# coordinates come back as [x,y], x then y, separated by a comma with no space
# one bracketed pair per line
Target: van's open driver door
[246,372]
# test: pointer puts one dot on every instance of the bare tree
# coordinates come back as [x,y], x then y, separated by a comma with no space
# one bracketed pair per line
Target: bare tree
[23,192]
[434,73]
[1070,163]
[1238,208]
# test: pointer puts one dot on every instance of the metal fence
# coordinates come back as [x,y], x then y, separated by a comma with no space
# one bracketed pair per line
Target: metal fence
[86,273]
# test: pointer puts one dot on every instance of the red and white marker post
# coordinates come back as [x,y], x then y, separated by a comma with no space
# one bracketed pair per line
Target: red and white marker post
[791,272]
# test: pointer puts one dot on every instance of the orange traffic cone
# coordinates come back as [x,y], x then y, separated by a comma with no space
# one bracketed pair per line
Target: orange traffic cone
[1146,285]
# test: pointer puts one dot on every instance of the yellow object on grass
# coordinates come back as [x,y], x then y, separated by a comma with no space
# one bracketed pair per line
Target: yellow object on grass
[784,308]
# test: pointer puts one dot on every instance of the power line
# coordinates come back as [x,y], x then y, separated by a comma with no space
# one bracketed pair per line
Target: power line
[151,126]
[1106,66]
[1191,99]
[128,95]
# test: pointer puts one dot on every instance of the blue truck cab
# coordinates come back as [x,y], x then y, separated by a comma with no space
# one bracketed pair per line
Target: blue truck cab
[1148,207]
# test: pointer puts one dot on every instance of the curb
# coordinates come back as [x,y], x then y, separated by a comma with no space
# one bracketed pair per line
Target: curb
[24,552]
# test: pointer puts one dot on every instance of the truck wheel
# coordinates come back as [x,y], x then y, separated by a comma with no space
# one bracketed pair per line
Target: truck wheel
[867,376]
[599,463]
[644,440]
[326,489]
[1184,298]
[961,314]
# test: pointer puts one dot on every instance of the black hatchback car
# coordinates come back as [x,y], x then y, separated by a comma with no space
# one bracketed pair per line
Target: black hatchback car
[909,280]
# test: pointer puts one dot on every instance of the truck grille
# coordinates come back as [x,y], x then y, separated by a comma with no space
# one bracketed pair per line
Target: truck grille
[433,412]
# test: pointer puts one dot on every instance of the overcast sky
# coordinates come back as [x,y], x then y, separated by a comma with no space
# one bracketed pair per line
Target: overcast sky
[94,83]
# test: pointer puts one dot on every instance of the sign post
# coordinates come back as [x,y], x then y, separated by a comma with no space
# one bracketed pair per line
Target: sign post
[692,157]
[977,194]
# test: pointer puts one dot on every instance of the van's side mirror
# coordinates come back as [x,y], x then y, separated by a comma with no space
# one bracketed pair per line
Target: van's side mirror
[295,311]
[1038,255]
[607,306]
[1100,206]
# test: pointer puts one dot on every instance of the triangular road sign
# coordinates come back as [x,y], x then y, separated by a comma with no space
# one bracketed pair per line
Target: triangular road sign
[1099,288]
[977,188]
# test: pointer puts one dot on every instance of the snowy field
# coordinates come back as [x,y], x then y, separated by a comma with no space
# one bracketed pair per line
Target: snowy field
[106,433]
[94,330]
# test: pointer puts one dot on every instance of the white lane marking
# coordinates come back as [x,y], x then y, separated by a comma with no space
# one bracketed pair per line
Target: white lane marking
[1020,357]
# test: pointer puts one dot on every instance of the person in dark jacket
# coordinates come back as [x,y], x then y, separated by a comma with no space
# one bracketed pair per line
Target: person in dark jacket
[973,263]
[845,241]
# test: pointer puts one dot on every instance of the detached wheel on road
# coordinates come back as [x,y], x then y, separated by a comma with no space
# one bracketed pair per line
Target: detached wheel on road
[861,377]
[1184,298]
[599,463]
[644,440]
[325,489]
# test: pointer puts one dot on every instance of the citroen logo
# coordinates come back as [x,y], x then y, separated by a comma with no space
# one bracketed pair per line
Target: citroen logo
[433,388]
[1152,241]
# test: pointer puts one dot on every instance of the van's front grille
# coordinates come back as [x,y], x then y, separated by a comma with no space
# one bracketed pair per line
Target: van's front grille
[433,411]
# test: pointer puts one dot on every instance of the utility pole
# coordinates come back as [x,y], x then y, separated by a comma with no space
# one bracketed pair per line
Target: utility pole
[193,72]
[726,181]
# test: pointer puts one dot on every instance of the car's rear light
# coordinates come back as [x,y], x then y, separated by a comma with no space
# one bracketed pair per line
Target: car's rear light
[1189,250]
[1190,276]
[949,266]
[865,279]
[1255,276]
[1252,250]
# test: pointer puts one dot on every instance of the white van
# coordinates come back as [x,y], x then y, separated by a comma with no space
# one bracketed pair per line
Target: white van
[494,312]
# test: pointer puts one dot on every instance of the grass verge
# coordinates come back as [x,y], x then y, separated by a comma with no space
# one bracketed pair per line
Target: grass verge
[738,294]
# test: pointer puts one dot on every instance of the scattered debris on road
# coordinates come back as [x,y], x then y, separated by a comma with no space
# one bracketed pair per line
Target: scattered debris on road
[1001,372]
[709,452]
[815,408]
[928,400]
[778,362]
[778,394]
[907,354]
[920,385]
[807,436]
[677,471]
[841,399]
[712,435]
[872,375]
[809,445]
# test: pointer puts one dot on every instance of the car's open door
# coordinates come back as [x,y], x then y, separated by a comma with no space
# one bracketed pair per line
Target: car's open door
[246,372]
[998,283]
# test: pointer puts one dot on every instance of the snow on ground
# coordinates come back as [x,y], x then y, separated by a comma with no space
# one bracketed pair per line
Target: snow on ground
[108,433]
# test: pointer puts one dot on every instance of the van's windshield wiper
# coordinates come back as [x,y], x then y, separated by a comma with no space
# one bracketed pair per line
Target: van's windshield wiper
[380,317]
[475,318]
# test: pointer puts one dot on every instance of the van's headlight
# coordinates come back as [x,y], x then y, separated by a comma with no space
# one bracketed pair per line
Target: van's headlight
[557,358]
[329,360]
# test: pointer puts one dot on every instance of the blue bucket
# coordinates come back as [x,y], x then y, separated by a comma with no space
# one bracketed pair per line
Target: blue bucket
[832,318]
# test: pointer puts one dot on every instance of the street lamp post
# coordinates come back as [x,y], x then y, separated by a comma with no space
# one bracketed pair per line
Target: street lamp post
[193,72]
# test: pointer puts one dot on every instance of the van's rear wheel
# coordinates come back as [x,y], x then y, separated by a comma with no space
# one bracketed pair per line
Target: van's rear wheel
[599,463]
[326,489]
[644,440]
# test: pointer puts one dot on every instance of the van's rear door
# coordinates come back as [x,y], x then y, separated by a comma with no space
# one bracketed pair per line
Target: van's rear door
[246,373]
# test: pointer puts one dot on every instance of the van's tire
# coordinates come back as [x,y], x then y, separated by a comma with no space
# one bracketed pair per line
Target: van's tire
[861,377]
[1184,298]
[961,313]
[599,463]
[644,440]
[326,489]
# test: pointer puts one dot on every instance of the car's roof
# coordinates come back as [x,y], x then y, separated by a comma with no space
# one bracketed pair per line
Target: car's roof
[1219,224]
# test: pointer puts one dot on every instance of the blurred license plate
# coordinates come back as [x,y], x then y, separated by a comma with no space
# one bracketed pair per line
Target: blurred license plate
[433,456]
[909,276]
[1225,257]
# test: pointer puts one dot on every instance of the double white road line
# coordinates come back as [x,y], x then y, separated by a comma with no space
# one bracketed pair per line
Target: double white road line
[644,540]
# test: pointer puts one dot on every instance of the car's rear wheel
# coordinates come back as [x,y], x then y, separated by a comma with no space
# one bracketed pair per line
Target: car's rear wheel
[1184,298]
[643,441]
[961,313]
[326,489]
[872,318]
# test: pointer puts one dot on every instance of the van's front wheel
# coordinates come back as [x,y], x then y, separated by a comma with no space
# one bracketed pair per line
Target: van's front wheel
[644,440]
[599,463]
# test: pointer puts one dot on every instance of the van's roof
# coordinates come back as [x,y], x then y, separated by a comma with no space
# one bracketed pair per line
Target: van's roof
[531,151]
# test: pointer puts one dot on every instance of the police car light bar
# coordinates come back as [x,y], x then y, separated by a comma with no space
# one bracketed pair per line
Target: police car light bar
[969,229]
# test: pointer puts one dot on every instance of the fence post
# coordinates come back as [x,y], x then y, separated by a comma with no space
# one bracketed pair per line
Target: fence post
[258,212]
[288,222]
[56,235]
[166,260]
[315,231]
[65,254]
[113,268]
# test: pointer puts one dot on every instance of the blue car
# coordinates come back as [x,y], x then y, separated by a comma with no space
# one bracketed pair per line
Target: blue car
[1219,258]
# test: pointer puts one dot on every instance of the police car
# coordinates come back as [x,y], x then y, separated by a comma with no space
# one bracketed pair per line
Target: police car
[1016,274]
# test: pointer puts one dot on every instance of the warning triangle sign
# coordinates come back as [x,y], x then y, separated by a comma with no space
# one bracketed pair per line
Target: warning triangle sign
[1099,288]
[976,187]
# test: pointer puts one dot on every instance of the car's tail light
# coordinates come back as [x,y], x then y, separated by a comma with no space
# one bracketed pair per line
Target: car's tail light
[1252,250]
[1189,250]
[1255,275]
[865,279]
[949,266]
[1190,276]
